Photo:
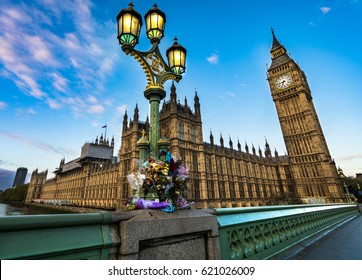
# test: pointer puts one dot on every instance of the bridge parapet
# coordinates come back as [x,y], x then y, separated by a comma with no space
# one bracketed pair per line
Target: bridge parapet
[123,235]
[58,236]
[262,232]
[225,233]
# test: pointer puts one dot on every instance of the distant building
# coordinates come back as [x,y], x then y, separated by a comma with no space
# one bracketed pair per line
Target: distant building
[358,175]
[20,176]
[89,181]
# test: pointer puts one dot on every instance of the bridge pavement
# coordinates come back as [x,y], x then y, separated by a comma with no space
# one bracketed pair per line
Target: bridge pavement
[341,242]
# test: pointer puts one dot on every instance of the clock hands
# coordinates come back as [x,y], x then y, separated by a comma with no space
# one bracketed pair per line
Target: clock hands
[283,81]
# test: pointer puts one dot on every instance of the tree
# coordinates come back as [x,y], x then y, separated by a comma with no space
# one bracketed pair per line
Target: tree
[15,194]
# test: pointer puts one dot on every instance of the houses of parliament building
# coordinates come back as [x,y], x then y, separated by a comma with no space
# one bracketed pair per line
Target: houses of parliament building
[222,173]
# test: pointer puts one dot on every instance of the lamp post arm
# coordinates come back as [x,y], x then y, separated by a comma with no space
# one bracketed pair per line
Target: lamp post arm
[156,69]
[168,74]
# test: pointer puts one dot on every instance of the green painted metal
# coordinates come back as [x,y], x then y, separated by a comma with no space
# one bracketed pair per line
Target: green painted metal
[260,232]
[155,96]
[64,236]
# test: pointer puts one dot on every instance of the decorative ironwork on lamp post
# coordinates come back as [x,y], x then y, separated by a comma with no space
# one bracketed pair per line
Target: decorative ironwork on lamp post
[343,177]
[156,69]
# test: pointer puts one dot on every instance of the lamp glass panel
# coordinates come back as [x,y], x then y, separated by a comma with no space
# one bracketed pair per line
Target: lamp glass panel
[176,59]
[126,23]
[135,26]
[129,29]
[154,20]
[170,59]
[155,25]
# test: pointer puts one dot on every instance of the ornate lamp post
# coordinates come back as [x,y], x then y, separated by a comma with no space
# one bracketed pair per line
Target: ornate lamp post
[343,177]
[156,69]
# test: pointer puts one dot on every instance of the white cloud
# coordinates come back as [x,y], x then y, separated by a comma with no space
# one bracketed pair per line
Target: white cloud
[226,95]
[95,109]
[74,62]
[95,124]
[72,42]
[36,143]
[31,111]
[16,15]
[92,99]
[325,10]
[60,83]
[54,104]
[3,105]
[106,66]
[79,55]
[28,83]
[25,112]
[14,54]
[95,50]
[39,50]
[351,157]
[122,109]
[6,51]
[213,58]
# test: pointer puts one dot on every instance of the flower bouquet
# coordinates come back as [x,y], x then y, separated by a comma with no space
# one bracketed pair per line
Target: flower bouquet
[166,178]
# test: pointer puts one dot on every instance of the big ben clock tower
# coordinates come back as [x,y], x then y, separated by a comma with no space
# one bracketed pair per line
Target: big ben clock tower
[313,170]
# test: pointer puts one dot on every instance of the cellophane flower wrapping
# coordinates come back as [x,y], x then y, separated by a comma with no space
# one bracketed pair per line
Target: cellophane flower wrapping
[167,177]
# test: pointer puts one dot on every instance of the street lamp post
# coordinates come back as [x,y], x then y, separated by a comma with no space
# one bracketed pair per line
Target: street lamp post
[156,69]
[343,177]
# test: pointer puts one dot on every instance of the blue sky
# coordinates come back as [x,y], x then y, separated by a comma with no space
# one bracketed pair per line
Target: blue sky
[63,75]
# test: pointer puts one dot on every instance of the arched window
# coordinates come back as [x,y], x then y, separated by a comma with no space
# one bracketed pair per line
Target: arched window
[193,134]
[182,130]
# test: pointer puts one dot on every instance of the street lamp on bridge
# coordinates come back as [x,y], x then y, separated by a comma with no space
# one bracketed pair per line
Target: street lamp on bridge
[343,179]
[156,69]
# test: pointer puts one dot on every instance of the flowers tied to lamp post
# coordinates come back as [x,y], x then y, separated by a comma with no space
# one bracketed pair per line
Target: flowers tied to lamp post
[167,178]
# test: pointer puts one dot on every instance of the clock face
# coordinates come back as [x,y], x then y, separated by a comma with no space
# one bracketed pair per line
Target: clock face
[283,81]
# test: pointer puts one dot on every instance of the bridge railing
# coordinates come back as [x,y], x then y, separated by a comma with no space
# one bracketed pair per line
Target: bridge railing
[122,235]
[261,232]
[233,233]
[63,236]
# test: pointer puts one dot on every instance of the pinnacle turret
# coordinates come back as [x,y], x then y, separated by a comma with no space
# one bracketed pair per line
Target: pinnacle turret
[211,138]
[276,43]
[173,94]
[125,120]
[239,146]
[278,53]
[197,106]
[135,115]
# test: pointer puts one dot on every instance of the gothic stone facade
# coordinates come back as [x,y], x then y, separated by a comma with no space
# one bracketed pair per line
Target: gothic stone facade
[220,175]
[88,181]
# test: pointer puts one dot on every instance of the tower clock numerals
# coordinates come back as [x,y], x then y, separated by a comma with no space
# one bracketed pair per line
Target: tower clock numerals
[283,81]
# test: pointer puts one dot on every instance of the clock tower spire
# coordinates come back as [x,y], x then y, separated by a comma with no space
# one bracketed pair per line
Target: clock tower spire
[314,172]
